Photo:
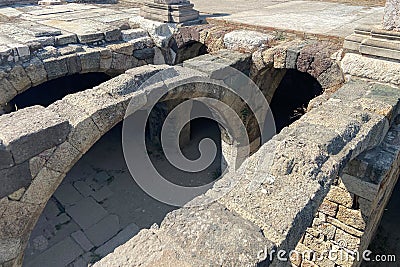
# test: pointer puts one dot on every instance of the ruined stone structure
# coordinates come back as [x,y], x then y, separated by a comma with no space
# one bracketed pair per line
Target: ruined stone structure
[321,183]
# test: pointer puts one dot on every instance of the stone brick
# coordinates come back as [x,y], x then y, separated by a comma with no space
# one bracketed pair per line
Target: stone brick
[42,187]
[56,67]
[90,61]
[348,228]
[86,212]
[67,195]
[351,217]
[14,178]
[65,39]
[121,238]
[85,132]
[103,230]
[73,64]
[82,240]
[340,196]
[7,90]
[6,160]
[145,53]
[60,254]
[17,195]
[63,158]
[391,18]
[329,208]
[19,79]
[220,226]
[346,240]
[36,71]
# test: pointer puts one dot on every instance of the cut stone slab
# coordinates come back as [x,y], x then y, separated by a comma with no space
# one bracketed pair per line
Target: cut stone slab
[102,194]
[102,231]
[67,195]
[86,212]
[247,40]
[122,237]
[83,188]
[50,2]
[61,254]
[82,240]
[14,178]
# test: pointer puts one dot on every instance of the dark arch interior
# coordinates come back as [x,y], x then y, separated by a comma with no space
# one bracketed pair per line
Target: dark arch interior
[99,200]
[190,50]
[292,96]
[48,92]
[200,128]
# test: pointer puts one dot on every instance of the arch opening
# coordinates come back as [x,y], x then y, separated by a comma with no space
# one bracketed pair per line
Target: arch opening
[99,206]
[190,50]
[291,98]
[50,91]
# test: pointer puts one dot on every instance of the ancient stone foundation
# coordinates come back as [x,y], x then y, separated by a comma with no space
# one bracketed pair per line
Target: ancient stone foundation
[176,11]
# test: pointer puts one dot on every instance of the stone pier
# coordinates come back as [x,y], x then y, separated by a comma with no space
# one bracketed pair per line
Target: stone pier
[391,19]
[176,11]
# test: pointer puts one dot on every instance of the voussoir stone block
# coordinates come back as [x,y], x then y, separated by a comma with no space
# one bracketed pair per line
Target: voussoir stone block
[29,131]
[7,90]
[36,71]
[56,67]
[14,178]
[42,187]
[85,132]
[19,79]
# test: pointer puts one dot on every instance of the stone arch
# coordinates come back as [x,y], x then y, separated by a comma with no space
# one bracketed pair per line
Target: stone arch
[113,59]
[318,59]
[186,44]
[77,122]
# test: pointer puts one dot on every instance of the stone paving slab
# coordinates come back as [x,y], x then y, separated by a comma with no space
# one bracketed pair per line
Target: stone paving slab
[86,212]
[58,255]
[325,18]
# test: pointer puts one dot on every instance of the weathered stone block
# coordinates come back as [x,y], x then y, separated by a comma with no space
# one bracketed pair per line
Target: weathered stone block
[63,158]
[42,187]
[33,125]
[85,132]
[329,208]
[86,212]
[73,64]
[7,90]
[19,79]
[36,71]
[391,18]
[340,196]
[6,160]
[121,238]
[65,39]
[102,231]
[352,217]
[145,53]
[90,60]
[14,178]
[219,240]
[56,67]
[112,35]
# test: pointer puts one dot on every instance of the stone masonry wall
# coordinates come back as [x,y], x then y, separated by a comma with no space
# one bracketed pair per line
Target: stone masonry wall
[350,214]
[279,189]
[31,174]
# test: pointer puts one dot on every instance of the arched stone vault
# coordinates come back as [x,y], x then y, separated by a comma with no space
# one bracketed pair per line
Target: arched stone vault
[78,121]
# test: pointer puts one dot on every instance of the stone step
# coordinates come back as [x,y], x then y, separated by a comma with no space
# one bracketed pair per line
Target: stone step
[131,34]
[141,43]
